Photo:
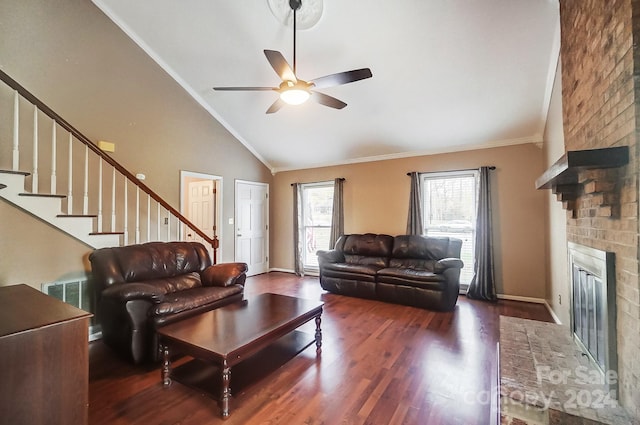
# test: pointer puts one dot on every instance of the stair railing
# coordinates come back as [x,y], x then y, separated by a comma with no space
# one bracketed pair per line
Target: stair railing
[120,180]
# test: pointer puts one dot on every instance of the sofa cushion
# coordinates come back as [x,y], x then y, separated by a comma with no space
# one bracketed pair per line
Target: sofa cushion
[418,252]
[412,277]
[169,285]
[368,249]
[151,260]
[192,298]
[351,271]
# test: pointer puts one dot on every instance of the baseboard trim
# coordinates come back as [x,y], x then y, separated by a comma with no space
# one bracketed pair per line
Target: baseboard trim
[552,313]
[307,273]
[520,298]
[276,269]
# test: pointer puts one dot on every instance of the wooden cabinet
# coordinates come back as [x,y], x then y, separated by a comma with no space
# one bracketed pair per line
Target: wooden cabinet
[44,359]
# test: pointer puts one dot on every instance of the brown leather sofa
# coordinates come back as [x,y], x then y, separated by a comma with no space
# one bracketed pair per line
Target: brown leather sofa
[413,270]
[142,287]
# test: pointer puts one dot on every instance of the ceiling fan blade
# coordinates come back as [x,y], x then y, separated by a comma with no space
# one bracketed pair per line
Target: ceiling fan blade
[244,88]
[326,100]
[275,107]
[280,65]
[342,78]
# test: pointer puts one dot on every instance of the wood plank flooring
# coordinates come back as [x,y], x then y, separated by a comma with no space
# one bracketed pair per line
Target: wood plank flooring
[380,364]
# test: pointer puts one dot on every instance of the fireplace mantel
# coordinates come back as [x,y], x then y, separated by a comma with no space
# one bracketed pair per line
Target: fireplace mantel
[567,168]
[564,176]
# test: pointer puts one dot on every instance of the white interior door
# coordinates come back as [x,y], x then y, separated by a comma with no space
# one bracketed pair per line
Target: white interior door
[252,226]
[201,204]
[201,208]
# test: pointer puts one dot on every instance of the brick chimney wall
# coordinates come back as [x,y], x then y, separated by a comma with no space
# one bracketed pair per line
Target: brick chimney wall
[601,91]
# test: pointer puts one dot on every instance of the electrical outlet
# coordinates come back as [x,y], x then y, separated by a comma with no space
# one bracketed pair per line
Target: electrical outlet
[166,220]
[560,299]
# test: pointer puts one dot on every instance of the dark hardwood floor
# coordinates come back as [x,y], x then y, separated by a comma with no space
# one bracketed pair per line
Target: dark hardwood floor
[380,364]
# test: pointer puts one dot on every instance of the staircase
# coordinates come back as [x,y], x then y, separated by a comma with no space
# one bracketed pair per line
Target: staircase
[48,208]
[102,203]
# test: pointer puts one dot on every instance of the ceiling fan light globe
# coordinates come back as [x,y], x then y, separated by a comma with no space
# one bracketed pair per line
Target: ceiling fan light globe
[294,96]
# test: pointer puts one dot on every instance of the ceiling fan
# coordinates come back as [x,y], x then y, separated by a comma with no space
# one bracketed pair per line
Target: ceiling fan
[295,91]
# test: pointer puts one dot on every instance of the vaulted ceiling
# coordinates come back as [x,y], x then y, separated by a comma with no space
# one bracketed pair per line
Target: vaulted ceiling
[448,75]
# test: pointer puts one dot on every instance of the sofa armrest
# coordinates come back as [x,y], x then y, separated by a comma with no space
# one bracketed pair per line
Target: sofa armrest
[224,274]
[448,263]
[133,291]
[329,256]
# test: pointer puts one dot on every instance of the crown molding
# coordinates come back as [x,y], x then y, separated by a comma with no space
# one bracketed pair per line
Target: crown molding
[535,139]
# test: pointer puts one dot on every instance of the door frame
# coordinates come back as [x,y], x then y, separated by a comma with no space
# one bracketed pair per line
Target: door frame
[186,175]
[266,219]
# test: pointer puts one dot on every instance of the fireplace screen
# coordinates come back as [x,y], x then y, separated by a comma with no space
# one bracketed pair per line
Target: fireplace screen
[588,323]
[593,315]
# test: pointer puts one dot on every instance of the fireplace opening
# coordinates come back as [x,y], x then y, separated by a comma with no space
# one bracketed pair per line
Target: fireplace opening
[593,306]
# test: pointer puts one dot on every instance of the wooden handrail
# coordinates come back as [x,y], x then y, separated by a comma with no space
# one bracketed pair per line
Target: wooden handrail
[85,140]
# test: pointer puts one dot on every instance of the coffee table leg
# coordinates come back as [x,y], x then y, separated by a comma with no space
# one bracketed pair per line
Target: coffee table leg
[166,366]
[318,333]
[226,392]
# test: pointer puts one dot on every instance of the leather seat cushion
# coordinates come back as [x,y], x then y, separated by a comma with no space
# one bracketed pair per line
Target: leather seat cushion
[173,284]
[350,271]
[193,298]
[412,277]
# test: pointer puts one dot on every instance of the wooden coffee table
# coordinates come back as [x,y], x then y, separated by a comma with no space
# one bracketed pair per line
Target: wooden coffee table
[230,334]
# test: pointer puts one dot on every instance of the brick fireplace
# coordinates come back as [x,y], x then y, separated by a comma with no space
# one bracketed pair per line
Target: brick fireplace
[600,53]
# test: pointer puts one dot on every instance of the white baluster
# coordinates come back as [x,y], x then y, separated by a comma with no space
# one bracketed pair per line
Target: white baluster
[85,199]
[34,181]
[168,226]
[126,213]
[158,237]
[113,200]
[54,148]
[99,223]
[137,214]
[70,183]
[16,130]
[148,217]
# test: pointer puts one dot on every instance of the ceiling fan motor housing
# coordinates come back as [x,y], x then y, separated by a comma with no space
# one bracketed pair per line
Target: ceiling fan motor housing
[295,4]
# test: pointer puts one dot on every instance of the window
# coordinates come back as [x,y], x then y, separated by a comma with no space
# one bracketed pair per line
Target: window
[317,208]
[450,210]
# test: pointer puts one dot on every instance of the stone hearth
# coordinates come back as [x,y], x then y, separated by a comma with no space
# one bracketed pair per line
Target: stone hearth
[546,379]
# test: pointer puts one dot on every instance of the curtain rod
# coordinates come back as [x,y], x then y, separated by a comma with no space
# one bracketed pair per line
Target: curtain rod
[339,178]
[491,167]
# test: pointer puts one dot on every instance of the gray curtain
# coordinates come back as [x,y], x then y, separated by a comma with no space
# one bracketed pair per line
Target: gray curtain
[298,237]
[415,225]
[482,286]
[337,217]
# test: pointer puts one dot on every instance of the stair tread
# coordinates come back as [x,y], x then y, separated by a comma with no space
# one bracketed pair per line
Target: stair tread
[42,195]
[24,173]
[76,215]
[106,233]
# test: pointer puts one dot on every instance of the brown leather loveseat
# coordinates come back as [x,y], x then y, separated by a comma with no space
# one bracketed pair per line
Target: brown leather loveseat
[413,270]
[142,287]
